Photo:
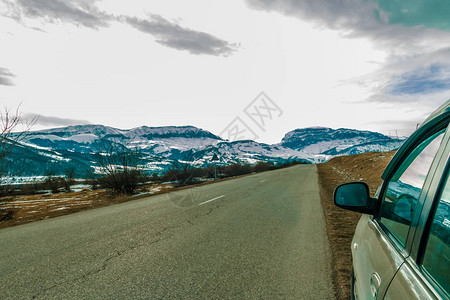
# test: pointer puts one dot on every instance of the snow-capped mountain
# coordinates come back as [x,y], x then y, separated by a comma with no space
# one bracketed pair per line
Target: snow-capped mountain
[81,137]
[319,141]
[57,148]
[247,151]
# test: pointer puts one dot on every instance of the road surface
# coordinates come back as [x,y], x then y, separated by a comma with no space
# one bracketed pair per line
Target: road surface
[256,237]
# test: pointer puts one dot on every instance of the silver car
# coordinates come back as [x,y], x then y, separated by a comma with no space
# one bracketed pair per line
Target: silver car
[401,246]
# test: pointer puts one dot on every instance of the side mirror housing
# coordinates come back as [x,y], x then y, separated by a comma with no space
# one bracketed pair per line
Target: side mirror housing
[355,196]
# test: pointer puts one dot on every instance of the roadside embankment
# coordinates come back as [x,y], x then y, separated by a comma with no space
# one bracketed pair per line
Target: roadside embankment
[341,223]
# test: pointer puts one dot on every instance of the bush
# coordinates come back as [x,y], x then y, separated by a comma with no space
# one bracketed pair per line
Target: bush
[183,177]
[155,178]
[53,182]
[29,189]
[212,171]
[119,167]
[70,178]
[7,214]
[237,169]
[263,166]
[293,163]
[7,190]
[122,182]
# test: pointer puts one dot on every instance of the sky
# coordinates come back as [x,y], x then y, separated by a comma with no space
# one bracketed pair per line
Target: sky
[257,67]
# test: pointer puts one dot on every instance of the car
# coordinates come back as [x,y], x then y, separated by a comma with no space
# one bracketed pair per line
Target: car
[401,245]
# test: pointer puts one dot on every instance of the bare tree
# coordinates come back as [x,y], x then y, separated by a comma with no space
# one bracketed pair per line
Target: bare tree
[70,178]
[53,182]
[11,122]
[119,167]
[182,170]
[13,129]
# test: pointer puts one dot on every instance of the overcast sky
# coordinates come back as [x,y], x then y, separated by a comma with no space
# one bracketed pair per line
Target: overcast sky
[374,65]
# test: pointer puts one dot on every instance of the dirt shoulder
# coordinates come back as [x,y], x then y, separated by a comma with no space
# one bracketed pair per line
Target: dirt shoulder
[341,223]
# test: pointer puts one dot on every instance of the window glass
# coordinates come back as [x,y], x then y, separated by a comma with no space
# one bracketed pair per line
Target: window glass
[404,188]
[436,260]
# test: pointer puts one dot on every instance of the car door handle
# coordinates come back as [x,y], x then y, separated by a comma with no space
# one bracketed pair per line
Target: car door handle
[375,282]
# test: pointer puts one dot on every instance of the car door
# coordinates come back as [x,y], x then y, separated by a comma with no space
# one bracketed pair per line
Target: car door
[426,272]
[382,243]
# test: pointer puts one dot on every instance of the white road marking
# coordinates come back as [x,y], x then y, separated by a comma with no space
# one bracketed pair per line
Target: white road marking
[263,180]
[211,200]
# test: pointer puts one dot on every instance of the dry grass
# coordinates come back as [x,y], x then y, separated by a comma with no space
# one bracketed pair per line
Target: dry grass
[31,208]
[341,223]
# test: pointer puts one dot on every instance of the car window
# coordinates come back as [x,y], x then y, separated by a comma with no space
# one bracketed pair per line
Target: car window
[436,259]
[403,190]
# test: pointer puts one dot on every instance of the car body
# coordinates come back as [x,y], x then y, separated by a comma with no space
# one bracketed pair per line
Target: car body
[400,249]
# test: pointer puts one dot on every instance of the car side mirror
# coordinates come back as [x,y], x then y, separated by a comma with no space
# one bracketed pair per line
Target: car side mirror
[354,196]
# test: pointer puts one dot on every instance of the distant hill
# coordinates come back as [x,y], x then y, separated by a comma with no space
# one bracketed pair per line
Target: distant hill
[336,142]
[56,149]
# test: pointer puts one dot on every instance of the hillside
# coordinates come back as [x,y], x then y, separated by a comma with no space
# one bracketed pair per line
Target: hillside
[57,149]
[341,223]
[327,142]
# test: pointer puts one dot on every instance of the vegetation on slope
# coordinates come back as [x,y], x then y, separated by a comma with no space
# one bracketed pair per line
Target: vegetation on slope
[341,223]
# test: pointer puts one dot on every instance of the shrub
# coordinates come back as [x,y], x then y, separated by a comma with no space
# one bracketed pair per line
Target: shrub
[263,166]
[122,182]
[155,178]
[7,190]
[183,177]
[119,167]
[7,214]
[237,169]
[70,178]
[53,183]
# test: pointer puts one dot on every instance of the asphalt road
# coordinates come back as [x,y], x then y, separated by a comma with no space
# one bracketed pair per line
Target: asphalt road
[255,237]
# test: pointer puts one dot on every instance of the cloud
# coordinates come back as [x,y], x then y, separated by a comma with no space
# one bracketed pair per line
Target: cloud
[53,121]
[425,13]
[398,128]
[86,13]
[421,78]
[359,18]
[174,36]
[430,79]
[417,67]
[335,14]
[6,77]
[78,12]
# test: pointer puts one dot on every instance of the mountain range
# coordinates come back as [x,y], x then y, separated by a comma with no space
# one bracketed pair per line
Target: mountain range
[54,150]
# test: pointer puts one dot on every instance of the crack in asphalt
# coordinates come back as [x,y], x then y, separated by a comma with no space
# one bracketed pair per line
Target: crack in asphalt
[105,263]
[103,266]
[197,216]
